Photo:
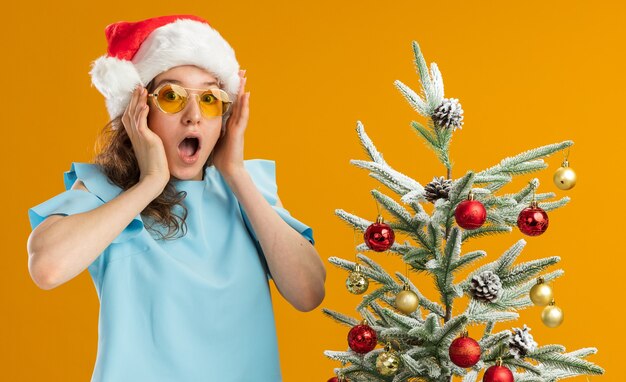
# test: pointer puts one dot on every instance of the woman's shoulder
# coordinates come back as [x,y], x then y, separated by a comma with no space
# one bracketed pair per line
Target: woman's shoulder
[90,177]
[260,165]
[263,174]
[261,168]
[79,185]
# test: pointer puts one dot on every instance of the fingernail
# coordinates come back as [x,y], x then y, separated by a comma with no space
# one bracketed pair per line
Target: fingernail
[244,72]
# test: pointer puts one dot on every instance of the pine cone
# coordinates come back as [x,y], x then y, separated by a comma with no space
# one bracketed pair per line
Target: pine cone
[486,286]
[439,188]
[449,114]
[521,342]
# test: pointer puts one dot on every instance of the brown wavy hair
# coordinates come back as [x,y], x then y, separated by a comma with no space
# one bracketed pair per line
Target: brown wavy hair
[116,158]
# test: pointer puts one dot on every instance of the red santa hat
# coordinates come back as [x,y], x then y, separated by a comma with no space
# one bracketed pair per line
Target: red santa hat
[139,51]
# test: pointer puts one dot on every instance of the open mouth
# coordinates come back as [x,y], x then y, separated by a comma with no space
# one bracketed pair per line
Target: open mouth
[189,148]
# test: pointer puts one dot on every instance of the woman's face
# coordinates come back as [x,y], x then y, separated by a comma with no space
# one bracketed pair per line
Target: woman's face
[174,128]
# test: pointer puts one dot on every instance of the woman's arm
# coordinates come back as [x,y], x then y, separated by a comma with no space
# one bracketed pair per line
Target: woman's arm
[295,265]
[61,247]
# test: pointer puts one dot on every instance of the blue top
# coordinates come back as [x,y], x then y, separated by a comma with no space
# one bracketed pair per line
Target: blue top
[197,308]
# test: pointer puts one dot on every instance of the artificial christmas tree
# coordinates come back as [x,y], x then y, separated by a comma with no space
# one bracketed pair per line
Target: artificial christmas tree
[435,347]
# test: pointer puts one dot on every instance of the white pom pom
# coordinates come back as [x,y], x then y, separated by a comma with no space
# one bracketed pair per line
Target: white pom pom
[115,79]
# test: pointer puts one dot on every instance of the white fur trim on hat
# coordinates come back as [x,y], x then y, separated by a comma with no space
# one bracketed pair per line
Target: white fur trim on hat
[182,42]
[113,78]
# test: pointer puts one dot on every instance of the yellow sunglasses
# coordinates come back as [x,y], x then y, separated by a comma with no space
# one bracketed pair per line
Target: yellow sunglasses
[172,98]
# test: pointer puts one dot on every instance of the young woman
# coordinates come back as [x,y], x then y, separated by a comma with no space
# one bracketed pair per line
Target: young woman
[179,233]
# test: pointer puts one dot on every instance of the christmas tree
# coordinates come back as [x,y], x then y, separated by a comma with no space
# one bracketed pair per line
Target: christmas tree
[422,339]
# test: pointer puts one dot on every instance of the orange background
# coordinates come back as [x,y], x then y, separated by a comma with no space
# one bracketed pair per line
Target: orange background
[527,74]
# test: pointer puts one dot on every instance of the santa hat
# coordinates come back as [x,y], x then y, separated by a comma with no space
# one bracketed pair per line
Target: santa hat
[139,51]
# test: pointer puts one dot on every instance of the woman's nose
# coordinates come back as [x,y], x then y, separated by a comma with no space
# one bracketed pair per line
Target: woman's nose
[192,113]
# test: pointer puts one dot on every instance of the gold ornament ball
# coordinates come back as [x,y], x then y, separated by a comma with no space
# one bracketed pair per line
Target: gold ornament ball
[565,177]
[552,316]
[407,301]
[387,363]
[356,282]
[541,294]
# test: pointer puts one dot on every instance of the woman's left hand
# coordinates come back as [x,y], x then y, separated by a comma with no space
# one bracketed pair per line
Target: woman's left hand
[228,152]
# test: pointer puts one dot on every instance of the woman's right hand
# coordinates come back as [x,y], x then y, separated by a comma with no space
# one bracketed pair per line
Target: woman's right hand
[148,146]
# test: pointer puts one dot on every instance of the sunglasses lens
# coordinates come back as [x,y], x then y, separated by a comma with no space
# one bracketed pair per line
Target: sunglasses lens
[172,98]
[213,102]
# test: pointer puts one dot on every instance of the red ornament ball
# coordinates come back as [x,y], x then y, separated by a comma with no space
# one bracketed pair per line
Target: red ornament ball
[379,236]
[337,379]
[464,352]
[498,373]
[533,221]
[362,338]
[470,214]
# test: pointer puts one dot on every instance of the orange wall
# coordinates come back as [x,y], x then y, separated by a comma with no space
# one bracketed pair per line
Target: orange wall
[527,74]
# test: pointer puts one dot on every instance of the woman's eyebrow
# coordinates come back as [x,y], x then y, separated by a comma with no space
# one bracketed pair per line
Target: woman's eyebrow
[180,83]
